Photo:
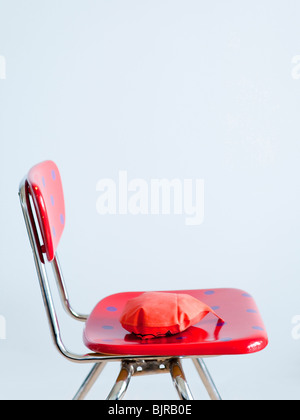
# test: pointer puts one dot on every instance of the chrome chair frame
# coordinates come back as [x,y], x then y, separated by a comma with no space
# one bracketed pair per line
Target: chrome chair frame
[130,365]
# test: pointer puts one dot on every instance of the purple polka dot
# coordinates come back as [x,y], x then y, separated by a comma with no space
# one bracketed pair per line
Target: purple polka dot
[53,174]
[215,308]
[54,231]
[246,295]
[111,309]
[62,219]
[180,338]
[52,200]
[107,327]
[251,311]
[226,339]
[43,181]
[221,324]
[257,328]
[209,292]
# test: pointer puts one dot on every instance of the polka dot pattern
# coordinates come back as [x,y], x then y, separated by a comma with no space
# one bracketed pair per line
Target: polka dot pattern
[242,332]
[46,189]
[258,328]
[111,309]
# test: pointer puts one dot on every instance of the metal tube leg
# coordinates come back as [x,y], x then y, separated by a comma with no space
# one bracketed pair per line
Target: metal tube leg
[179,380]
[89,381]
[122,382]
[207,380]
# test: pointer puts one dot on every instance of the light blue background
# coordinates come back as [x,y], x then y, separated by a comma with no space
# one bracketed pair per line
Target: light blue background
[162,89]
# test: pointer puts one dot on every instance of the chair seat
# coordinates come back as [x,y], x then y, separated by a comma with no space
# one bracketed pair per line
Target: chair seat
[242,333]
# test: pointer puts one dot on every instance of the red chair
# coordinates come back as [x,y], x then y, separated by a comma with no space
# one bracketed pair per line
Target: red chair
[42,201]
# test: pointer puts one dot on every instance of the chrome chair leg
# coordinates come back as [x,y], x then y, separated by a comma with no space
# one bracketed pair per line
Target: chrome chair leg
[122,382]
[207,380]
[89,381]
[179,380]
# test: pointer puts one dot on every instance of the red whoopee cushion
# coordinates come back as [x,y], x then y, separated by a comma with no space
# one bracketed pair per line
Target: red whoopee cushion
[157,314]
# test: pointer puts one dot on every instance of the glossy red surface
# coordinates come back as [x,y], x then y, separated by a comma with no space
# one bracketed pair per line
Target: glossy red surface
[242,333]
[47,193]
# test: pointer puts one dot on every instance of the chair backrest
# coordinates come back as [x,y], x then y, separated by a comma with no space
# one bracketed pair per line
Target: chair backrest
[42,203]
[45,187]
